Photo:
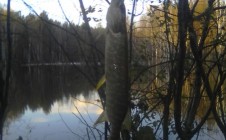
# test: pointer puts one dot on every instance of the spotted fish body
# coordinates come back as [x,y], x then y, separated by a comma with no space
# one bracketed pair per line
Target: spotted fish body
[116,67]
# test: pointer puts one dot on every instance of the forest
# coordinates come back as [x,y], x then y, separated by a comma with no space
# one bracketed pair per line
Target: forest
[176,62]
[38,39]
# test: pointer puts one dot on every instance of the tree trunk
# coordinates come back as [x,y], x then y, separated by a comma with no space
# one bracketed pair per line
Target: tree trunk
[183,8]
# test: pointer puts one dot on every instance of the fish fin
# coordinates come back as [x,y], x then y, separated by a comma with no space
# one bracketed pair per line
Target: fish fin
[126,125]
[101,82]
[102,118]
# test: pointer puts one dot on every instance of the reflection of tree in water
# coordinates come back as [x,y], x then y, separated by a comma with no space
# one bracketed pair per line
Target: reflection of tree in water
[150,96]
[40,87]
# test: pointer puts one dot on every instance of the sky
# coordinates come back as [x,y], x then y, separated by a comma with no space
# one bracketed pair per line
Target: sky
[70,7]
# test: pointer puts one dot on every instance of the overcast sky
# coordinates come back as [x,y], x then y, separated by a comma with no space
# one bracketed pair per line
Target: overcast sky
[71,8]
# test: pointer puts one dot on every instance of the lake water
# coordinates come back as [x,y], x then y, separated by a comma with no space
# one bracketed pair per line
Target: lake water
[51,103]
[55,103]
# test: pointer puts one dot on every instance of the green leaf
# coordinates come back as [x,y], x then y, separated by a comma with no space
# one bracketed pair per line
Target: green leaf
[155,123]
[145,133]
[101,82]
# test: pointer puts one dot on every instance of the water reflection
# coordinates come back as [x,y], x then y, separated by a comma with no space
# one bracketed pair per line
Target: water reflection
[150,95]
[55,103]
[50,103]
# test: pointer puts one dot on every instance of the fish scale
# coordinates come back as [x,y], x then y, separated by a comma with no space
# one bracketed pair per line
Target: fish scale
[116,67]
[117,97]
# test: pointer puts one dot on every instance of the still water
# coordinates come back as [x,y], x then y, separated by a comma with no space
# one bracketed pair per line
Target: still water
[51,103]
[57,102]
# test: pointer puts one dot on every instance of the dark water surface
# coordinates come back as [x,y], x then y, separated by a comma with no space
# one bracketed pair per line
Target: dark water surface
[58,103]
[51,103]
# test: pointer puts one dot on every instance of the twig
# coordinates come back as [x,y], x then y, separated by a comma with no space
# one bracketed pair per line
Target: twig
[68,126]
[87,102]
[87,133]
[84,121]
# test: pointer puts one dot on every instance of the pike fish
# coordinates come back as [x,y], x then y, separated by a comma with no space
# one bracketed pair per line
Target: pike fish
[116,67]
